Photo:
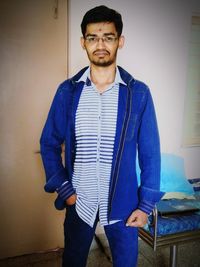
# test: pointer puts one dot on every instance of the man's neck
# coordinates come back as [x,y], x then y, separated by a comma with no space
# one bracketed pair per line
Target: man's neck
[102,77]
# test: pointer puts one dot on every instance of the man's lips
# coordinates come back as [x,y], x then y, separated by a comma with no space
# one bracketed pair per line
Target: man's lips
[101,53]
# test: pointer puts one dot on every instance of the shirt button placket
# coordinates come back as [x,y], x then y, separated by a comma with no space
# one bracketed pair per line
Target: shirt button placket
[98,145]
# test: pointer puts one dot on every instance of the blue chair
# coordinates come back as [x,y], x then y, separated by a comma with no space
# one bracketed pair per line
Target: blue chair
[179,228]
[171,231]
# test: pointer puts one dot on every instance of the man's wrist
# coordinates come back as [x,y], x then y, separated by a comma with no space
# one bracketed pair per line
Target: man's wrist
[65,190]
[71,200]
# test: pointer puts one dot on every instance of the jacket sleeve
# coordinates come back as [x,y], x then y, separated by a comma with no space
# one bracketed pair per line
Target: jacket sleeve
[52,138]
[149,157]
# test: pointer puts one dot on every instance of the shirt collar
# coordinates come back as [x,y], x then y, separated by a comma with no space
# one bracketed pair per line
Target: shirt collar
[87,80]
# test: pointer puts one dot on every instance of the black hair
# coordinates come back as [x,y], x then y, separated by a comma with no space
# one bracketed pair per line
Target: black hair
[102,14]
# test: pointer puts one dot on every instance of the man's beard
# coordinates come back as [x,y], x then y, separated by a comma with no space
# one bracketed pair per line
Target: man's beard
[103,62]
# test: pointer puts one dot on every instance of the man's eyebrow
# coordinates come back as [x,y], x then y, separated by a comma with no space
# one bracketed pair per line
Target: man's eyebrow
[90,34]
[108,34]
[105,34]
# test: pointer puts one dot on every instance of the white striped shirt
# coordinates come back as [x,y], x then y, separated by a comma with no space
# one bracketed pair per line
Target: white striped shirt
[95,129]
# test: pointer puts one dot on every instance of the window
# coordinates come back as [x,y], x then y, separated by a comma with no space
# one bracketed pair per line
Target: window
[191,129]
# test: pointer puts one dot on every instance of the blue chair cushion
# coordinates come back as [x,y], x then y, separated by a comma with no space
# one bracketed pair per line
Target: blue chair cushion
[173,178]
[177,223]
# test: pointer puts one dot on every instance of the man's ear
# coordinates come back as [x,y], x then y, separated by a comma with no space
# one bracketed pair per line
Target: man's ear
[121,41]
[82,40]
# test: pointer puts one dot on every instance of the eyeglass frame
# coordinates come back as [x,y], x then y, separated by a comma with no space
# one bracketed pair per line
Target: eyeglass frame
[105,39]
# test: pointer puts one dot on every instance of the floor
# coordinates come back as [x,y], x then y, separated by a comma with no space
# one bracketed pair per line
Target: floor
[188,256]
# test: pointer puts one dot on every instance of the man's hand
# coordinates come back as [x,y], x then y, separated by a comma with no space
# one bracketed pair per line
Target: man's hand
[71,200]
[137,219]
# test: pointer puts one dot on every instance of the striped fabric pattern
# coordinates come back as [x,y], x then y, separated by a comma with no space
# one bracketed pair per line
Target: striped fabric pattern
[95,129]
[66,190]
[96,119]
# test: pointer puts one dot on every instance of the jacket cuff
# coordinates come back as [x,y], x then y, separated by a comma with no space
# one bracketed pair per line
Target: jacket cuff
[148,198]
[147,207]
[56,181]
[65,190]
[147,195]
[59,203]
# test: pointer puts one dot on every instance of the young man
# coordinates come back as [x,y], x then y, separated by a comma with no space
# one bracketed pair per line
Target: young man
[103,116]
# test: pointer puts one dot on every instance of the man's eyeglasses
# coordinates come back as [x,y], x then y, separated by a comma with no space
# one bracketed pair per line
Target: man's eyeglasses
[96,39]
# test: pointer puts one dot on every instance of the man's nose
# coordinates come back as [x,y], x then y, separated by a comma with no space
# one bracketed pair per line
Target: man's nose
[100,43]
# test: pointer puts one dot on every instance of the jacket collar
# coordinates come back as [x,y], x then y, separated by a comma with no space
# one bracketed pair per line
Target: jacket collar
[125,76]
[87,79]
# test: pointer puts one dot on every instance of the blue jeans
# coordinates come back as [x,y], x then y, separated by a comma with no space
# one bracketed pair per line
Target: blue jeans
[123,241]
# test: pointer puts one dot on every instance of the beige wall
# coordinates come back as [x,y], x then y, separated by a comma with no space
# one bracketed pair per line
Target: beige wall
[33,63]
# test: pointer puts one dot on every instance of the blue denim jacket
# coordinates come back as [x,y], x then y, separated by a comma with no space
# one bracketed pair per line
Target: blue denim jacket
[137,133]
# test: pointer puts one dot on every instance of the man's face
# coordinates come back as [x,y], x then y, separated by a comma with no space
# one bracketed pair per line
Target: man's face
[101,43]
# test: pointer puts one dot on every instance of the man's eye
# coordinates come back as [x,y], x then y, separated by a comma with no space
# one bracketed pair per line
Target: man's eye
[109,39]
[92,39]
